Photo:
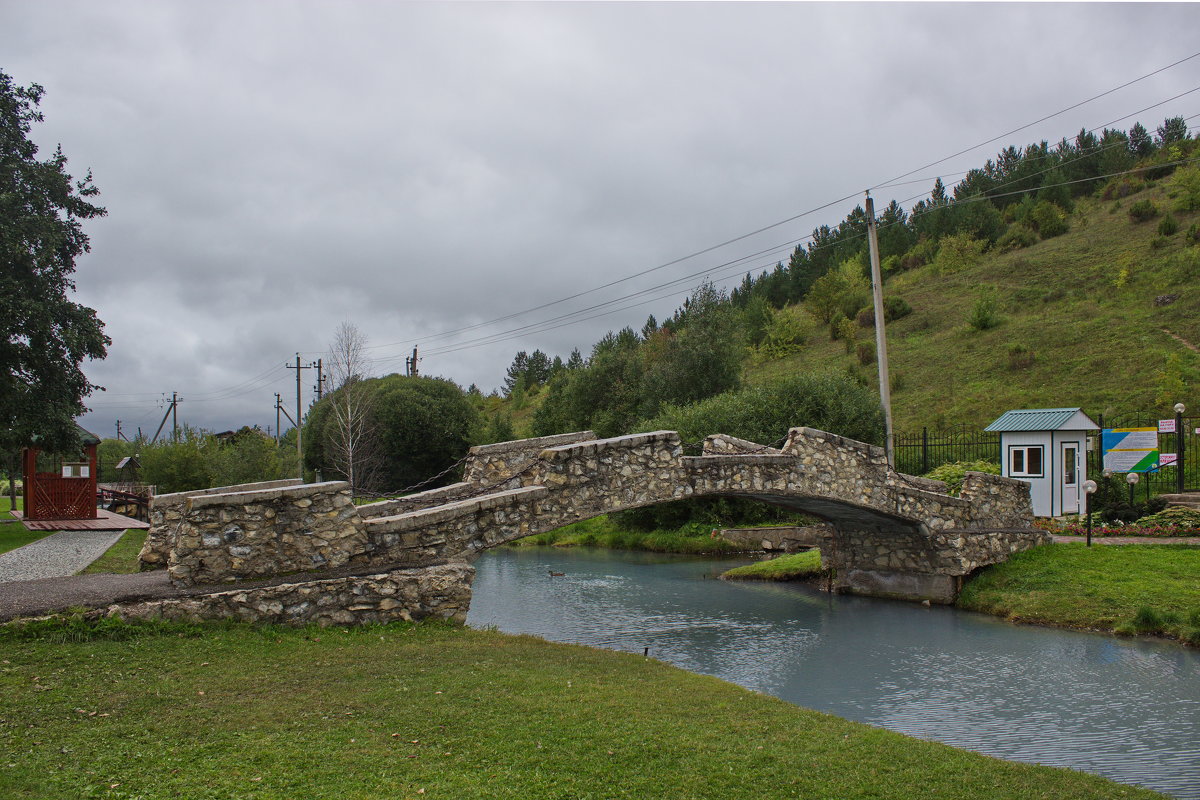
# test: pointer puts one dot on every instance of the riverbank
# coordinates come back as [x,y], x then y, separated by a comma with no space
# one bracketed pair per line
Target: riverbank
[691,539]
[111,710]
[1147,589]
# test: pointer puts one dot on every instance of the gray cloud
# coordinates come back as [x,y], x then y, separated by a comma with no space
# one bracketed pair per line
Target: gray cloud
[272,169]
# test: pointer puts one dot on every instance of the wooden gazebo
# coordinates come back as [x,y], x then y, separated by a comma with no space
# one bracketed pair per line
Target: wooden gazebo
[70,492]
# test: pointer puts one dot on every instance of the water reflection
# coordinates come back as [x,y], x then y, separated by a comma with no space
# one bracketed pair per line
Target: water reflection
[1127,710]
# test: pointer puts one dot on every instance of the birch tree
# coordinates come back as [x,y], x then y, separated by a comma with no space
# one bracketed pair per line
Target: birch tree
[353,444]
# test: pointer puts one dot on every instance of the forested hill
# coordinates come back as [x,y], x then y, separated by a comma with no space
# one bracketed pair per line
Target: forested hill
[1064,275]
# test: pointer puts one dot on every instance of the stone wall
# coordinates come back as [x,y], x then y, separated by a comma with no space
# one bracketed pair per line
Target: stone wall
[256,534]
[441,592]
[493,464]
[167,509]
[781,539]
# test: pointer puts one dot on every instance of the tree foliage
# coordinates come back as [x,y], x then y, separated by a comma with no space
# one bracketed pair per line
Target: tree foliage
[423,425]
[44,336]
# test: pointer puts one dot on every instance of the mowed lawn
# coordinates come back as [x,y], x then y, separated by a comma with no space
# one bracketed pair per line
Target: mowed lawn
[424,711]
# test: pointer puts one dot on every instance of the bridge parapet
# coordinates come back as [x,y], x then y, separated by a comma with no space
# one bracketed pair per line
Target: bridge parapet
[266,532]
[418,501]
[493,464]
[723,444]
[166,510]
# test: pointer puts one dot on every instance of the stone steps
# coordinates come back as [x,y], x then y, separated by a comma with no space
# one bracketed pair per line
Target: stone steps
[1186,500]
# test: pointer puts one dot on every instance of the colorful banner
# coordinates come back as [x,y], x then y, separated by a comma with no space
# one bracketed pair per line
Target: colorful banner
[1130,449]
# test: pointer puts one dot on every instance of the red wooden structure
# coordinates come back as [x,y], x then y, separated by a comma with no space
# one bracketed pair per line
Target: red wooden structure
[69,493]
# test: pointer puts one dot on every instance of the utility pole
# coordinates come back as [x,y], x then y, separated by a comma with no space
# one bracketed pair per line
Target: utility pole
[277,427]
[414,363]
[885,388]
[299,413]
[175,401]
[320,387]
[174,418]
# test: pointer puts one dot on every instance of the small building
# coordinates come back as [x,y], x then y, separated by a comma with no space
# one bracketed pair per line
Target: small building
[1046,448]
[67,493]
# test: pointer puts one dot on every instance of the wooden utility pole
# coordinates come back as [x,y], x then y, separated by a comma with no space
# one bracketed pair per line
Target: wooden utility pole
[885,388]
[175,401]
[299,413]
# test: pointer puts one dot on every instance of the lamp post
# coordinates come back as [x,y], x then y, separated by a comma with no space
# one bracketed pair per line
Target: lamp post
[1089,488]
[1179,440]
[1132,479]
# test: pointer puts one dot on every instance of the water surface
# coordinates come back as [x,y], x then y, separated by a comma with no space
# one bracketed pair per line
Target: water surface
[1127,710]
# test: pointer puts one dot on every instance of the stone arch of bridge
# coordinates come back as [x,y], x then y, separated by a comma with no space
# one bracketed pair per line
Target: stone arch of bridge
[839,513]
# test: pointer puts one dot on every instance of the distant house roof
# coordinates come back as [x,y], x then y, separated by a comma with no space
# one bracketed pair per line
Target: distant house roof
[1043,419]
[86,436]
[129,461]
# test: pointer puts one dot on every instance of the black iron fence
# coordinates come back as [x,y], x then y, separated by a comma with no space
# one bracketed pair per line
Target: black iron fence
[917,453]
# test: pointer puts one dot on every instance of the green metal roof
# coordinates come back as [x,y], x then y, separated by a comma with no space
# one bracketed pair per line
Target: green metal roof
[1043,419]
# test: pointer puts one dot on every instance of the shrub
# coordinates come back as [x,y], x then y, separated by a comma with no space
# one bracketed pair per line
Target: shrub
[1049,219]
[1020,356]
[835,326]
[958,252]
[984,314]
[1193,234]
[1176,516]
[1121,187]
[895,308]
[954,473]
[866,353]
[847,330]
[786,333]
[1186,184]
[1159,242]
[1017,237]
[1143,210]
[1167,226]
[921,253]
[866,317]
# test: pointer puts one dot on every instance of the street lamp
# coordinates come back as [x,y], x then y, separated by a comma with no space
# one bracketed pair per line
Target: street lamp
[1179,441]
[1089,488]
[1132,479]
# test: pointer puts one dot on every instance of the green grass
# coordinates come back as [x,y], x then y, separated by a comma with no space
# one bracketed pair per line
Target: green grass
[436,711]
[1060,299]
[12,533]
[1103,588]
[693,538]
[784,568]
[122,557]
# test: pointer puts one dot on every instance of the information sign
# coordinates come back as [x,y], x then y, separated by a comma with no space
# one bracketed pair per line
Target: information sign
[1130,449]
[1166,426]
[1167,459]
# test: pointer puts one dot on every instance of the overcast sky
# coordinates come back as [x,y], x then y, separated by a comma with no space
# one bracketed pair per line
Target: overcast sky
[272,169]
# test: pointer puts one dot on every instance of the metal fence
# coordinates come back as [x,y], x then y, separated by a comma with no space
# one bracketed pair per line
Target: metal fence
[917,453]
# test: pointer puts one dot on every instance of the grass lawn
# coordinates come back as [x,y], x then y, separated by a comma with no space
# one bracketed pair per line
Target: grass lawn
[122,557]
[784,568]
[12,533]
[1121,588]
[436,711]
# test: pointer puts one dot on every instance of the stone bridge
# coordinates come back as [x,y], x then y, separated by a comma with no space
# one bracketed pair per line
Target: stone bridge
[890,534]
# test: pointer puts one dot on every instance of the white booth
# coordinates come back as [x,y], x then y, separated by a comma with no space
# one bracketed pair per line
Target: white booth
[1046,448]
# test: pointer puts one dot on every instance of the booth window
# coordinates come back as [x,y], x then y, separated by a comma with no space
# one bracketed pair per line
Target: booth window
[1025,461]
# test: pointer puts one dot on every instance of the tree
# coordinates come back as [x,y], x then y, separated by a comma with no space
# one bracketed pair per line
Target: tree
[1173,129]
[44,336]
[352,446]
[1140,143]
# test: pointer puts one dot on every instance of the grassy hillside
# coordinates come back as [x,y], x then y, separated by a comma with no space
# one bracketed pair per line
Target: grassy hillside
[1079,325]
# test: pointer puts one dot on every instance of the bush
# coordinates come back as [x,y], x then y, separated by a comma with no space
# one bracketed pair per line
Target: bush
[923,252]
[847,331]
[866,353]
[1159,242]
[958,252]
[1020,356]
[1121,187]
[786,333]
[984,314]
[894,308]
[954,473]
[1049,219]
[1017,237]
[835,326]
[1167,226]
[1186,184]
[1143,210]
[1193,234]
[1176,516]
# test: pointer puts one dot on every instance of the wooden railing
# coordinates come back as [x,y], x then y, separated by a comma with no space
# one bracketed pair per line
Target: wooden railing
[56,497]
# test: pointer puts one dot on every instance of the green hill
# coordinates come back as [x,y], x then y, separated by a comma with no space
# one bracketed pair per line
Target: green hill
[1105,316]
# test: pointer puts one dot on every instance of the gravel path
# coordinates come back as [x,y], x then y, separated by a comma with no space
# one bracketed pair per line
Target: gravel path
[55,556]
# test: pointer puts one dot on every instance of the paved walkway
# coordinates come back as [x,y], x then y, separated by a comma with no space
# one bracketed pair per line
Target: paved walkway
[1194,540]
[55,556]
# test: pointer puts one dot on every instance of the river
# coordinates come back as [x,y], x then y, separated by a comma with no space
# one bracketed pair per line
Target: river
[1128,710]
